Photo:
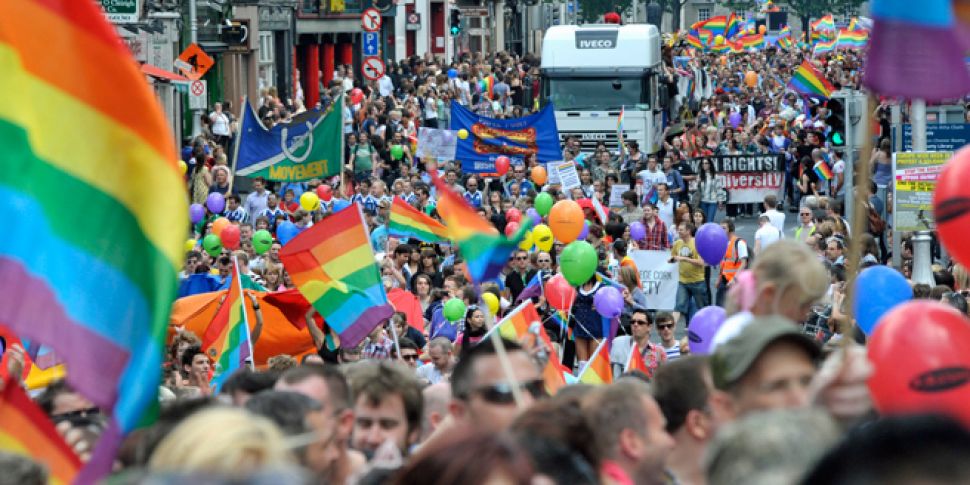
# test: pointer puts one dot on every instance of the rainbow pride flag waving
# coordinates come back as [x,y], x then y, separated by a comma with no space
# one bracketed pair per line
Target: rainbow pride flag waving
[598,370]
[406,221]
[808,81]
[227,340]
[94,278]
[333,266]
[25,430]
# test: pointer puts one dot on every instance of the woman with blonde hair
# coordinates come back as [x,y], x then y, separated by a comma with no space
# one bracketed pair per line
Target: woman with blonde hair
[223,441]
[961,279]
[633,297]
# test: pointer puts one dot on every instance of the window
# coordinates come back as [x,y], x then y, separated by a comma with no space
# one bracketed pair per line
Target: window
[703,13]
[266,47]
[310,6]
[599,93]
[266,72]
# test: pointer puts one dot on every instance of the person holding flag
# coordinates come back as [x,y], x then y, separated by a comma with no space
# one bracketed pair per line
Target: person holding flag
[631,348]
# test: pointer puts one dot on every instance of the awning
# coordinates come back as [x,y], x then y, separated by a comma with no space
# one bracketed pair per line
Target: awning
[159,73]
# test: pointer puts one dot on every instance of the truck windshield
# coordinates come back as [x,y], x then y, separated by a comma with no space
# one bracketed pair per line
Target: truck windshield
[599,93]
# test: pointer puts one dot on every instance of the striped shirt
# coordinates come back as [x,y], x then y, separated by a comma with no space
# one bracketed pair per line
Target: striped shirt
[238,215]
[274,215]
[673,352]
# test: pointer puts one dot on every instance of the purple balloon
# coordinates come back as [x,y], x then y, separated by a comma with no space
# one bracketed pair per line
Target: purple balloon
[196,213]
[585,232]
[608,302]
[216,203]
[711,243]
[735,119]
[534,215]
[638,232]
[703,327]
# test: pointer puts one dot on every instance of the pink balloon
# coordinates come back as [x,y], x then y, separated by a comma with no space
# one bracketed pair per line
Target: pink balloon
[513,215]
[559,293]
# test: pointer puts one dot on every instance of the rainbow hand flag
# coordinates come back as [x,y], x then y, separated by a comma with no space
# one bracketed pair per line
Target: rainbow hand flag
[785,32]
[598,370]
[485,250]
[227,341]
[823,171]
[825,46]
[619,120]
[523,322]
[77,117]
[332,264]
[824,24]
[636,362]
[732,26]
[406,221]
[694,41]
[754,41]
[785,43]
[852,39]
[25,430]
[808,81]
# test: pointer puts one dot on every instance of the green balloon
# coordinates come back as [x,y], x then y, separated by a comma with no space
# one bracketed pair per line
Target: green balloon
[262,240]
[543,203]
[454,310]
[397,151]
[212,245]
[578,262]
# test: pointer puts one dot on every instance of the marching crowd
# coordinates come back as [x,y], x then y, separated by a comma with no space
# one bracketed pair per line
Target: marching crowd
[781,397]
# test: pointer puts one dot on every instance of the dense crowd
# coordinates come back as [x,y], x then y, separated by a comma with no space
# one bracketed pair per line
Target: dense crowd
[781,398]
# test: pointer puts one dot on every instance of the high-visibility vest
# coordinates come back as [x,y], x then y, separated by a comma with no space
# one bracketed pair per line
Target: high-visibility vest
[731,263]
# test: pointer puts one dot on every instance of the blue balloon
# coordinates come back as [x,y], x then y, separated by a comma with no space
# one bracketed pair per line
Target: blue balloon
[452,73]
[340,204]
[286,231]
[877,290]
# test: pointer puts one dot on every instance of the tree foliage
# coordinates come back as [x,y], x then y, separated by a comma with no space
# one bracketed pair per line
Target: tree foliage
[593,9]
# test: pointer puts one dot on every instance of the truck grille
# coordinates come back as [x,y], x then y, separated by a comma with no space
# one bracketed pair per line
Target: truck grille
[589,139]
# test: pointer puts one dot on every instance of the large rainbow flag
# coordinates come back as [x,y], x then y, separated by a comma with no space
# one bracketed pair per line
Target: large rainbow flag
[227,340]
[852,39]
[714,24]
[598,370]
[824,24]
[732,26]
[753,41]
[825,46]
[333,266]
[808,81]
[25,430]
[94,279]
[484,250]
[406,221]
[694,41]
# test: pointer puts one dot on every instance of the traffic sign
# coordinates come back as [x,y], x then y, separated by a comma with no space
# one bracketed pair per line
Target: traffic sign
[373,68]
[197,94]
[370,20]
[372,44]
[194,62]
[413,21]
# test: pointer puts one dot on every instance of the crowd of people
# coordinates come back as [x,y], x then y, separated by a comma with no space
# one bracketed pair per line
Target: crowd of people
[781,398]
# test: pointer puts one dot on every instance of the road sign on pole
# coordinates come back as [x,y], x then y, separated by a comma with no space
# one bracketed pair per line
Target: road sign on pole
[372,68]
[197,94]
[371,44]
[370,20]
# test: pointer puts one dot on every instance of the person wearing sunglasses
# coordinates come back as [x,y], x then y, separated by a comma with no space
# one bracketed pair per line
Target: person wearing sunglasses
[640,326]
[408,352]
[665,328]
[483,396]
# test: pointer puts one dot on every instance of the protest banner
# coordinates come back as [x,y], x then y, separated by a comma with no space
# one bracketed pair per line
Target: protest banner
[914,182]
[436,144]
[658,277]
[616,195]
[490,138]
[747,178]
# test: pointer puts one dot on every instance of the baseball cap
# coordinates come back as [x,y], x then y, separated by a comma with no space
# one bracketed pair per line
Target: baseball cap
[732,360]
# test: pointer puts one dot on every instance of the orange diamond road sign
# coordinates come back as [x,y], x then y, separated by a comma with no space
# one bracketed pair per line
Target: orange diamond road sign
[194,62]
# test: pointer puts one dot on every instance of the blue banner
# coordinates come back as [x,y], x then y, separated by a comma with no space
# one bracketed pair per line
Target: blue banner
[490,138]
[258,148]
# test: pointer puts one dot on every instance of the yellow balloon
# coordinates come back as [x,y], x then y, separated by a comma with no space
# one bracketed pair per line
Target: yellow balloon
[463,133]
[719,40]
[542,237]
[309,201]
[183,167]
[190,244]
[492,302]
[526,243]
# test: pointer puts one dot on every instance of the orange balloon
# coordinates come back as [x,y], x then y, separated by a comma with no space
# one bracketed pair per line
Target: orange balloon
[539,175]
[566,220]
[751,79]
[219,224]
[723,60]
[762,29]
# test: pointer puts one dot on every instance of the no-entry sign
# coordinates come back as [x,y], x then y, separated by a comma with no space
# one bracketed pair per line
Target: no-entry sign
[373,68]
[370,20]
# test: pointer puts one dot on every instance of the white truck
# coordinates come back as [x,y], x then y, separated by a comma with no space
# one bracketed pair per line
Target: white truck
[590,72]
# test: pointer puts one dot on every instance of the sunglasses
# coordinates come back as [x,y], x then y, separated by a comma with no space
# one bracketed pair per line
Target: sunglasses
[501,393]
[545,260]
[520,258]
[665,325]
[639,322]
[410,357]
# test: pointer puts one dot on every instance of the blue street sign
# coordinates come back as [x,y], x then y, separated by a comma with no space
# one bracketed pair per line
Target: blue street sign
[940,137]
[372,44]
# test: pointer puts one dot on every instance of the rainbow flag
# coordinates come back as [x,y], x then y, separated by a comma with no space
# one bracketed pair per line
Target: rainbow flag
[714,24]
[488,86]
[519,324]
[77,117]
[785,43]
[852,39]
[485,250]
[598,370]
[332,264]
[694,41]
[823,171]
[808,81]
[636,362]
[555,376]
[824,46]
[723,48]
[406,221]
[227,341]
[824,24]
[619,120]
[735,46]
[903,32]
[755,41]
[732,26]
[785,32]
[25,430]
[706,37]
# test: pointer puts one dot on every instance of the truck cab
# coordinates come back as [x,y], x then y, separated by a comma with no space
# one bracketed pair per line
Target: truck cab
[591,72]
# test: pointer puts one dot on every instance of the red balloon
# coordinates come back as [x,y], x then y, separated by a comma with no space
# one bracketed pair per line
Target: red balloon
[921,354]
[513,215]
[951,205]
[230,237]
[511,227]
[325,192]
[559,293]
[502,165]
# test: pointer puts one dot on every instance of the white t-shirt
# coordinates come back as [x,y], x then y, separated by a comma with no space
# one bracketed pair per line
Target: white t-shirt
[767,235]
[220,124]
[385,86]
[665,210]
[651,178]
[838,168]
[777,219]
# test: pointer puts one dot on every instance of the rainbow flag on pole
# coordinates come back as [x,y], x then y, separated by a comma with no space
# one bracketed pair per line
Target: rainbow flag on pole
[824,24]
[808,81]
[753,41]
[519,324]
[636,362]
[825,46]
[852,39]
[333,266]
[485,250]
[25,430]
[694,41]
[732,26]
[823,171]
[77,117]
[227,340]
[619,120]
[406,221]
[598,370]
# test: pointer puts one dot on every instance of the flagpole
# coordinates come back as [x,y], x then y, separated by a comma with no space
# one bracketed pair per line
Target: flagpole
[503,356]
[242,296]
